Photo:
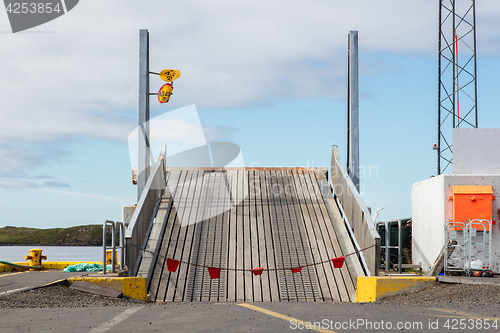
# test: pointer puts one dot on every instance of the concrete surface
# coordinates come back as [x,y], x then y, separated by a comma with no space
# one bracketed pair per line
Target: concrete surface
[232,317]
[469,280]
[11,282]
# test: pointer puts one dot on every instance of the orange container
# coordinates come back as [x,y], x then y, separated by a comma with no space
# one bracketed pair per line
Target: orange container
[472,202]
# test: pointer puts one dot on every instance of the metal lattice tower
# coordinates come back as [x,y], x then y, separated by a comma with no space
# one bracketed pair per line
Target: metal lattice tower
[457,91]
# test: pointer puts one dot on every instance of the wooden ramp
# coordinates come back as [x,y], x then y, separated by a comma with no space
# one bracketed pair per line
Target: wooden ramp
[248,218]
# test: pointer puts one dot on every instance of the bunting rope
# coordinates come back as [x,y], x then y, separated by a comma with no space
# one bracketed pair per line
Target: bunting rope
[172,264]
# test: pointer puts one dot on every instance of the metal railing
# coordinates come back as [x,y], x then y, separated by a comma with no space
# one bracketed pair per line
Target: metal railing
[138,229]
[468,246]
[121,228]
[355,212]
[387,246]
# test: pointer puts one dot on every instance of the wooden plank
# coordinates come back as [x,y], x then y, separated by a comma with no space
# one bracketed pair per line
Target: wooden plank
[160,270]
[209,222]
[190,210]
[217,229]
[168,279]
[155,280]
[301,239]
[95,289]
[240,280]
[197,275]
[326,251]
[313,241]
[281,237]
[293,241]
[334,276]
[231,244]
[348,286]
[247,240]
[261,237]
[270,247]
[180,203]
[353,264]
[224,220]
[199,238]
[256,279]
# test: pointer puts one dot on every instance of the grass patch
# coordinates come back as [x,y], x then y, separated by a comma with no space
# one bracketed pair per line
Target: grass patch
[86,235]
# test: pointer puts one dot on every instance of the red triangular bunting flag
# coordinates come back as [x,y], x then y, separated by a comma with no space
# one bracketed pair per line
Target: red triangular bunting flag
[296,270]
[172,265]
[257,271]
[214,272]
[338,262]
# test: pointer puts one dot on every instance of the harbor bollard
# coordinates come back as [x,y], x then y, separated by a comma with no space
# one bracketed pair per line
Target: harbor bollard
[108,257]
[35,257]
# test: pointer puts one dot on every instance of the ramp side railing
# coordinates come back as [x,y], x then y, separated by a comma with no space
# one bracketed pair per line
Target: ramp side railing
[115,226]
[355,212]
[144,214]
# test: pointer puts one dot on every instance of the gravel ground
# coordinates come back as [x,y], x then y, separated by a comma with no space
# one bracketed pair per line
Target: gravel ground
[444,295]
[60,297]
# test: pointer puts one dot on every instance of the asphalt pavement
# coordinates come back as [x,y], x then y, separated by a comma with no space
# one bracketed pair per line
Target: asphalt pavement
[11,282]
[255,317]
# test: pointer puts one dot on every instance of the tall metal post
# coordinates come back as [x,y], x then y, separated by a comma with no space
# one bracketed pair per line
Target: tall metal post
[457,73]
[143,143]
[353,110]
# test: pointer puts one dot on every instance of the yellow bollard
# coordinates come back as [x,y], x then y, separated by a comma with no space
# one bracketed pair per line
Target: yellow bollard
[108,257]
[35,257]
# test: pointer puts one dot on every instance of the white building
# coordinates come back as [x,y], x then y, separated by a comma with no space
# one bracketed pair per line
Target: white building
[476,161]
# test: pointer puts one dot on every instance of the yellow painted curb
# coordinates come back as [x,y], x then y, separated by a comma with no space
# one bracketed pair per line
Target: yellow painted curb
[371,288]
[47,265]
[134,287]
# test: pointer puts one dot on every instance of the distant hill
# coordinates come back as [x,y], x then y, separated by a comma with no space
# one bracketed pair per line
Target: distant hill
[86,235]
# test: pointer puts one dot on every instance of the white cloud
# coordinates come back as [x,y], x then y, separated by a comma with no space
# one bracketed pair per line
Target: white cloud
[16,159]
[97,197]
[16,184]
[80,79]
[56,184]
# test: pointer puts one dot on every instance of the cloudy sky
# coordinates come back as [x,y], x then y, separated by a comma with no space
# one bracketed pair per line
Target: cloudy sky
[269,76]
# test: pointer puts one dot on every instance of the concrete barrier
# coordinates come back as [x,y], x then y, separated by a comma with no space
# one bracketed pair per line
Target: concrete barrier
[371,288]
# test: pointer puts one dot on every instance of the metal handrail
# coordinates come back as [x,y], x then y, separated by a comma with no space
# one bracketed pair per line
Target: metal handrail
[137,230]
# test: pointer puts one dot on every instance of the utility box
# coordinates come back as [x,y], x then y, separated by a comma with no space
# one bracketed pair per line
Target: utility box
[472,202]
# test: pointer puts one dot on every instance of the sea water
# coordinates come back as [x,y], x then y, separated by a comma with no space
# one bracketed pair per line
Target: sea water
[53,253]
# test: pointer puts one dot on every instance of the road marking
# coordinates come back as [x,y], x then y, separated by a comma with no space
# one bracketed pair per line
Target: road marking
[282,316]
[462,314]
[11,274]
[5,293]
[116,320]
